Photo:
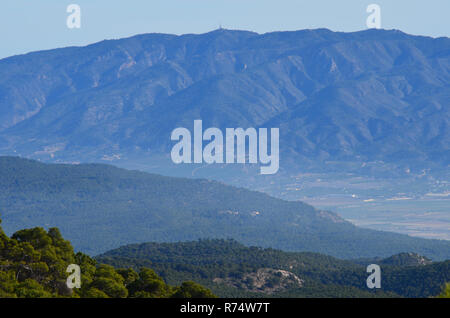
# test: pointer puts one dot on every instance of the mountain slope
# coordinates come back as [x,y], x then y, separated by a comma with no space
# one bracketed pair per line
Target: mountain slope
[372,96]
[100,207]
[230,268]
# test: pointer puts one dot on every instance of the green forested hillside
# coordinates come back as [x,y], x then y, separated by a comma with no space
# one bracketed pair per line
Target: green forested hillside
[232,269]
[33,264]
[100,207]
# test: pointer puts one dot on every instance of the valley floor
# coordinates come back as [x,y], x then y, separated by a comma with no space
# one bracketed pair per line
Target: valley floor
[427,218]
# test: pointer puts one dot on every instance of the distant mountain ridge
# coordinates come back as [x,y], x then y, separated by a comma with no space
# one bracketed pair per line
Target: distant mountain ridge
[401,259]
[374,101]
[101,207]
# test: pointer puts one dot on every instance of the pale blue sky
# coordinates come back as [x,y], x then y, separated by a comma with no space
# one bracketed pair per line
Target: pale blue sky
[30,25]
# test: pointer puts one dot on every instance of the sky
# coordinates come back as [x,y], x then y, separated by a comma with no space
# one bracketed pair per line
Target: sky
[32,25]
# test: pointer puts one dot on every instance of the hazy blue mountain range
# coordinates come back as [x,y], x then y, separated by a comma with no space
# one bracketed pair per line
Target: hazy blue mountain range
[375,101]
[101,207]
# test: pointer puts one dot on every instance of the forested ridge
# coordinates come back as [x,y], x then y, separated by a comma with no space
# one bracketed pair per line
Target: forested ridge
[33,264]
[232,269]
[101,207]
